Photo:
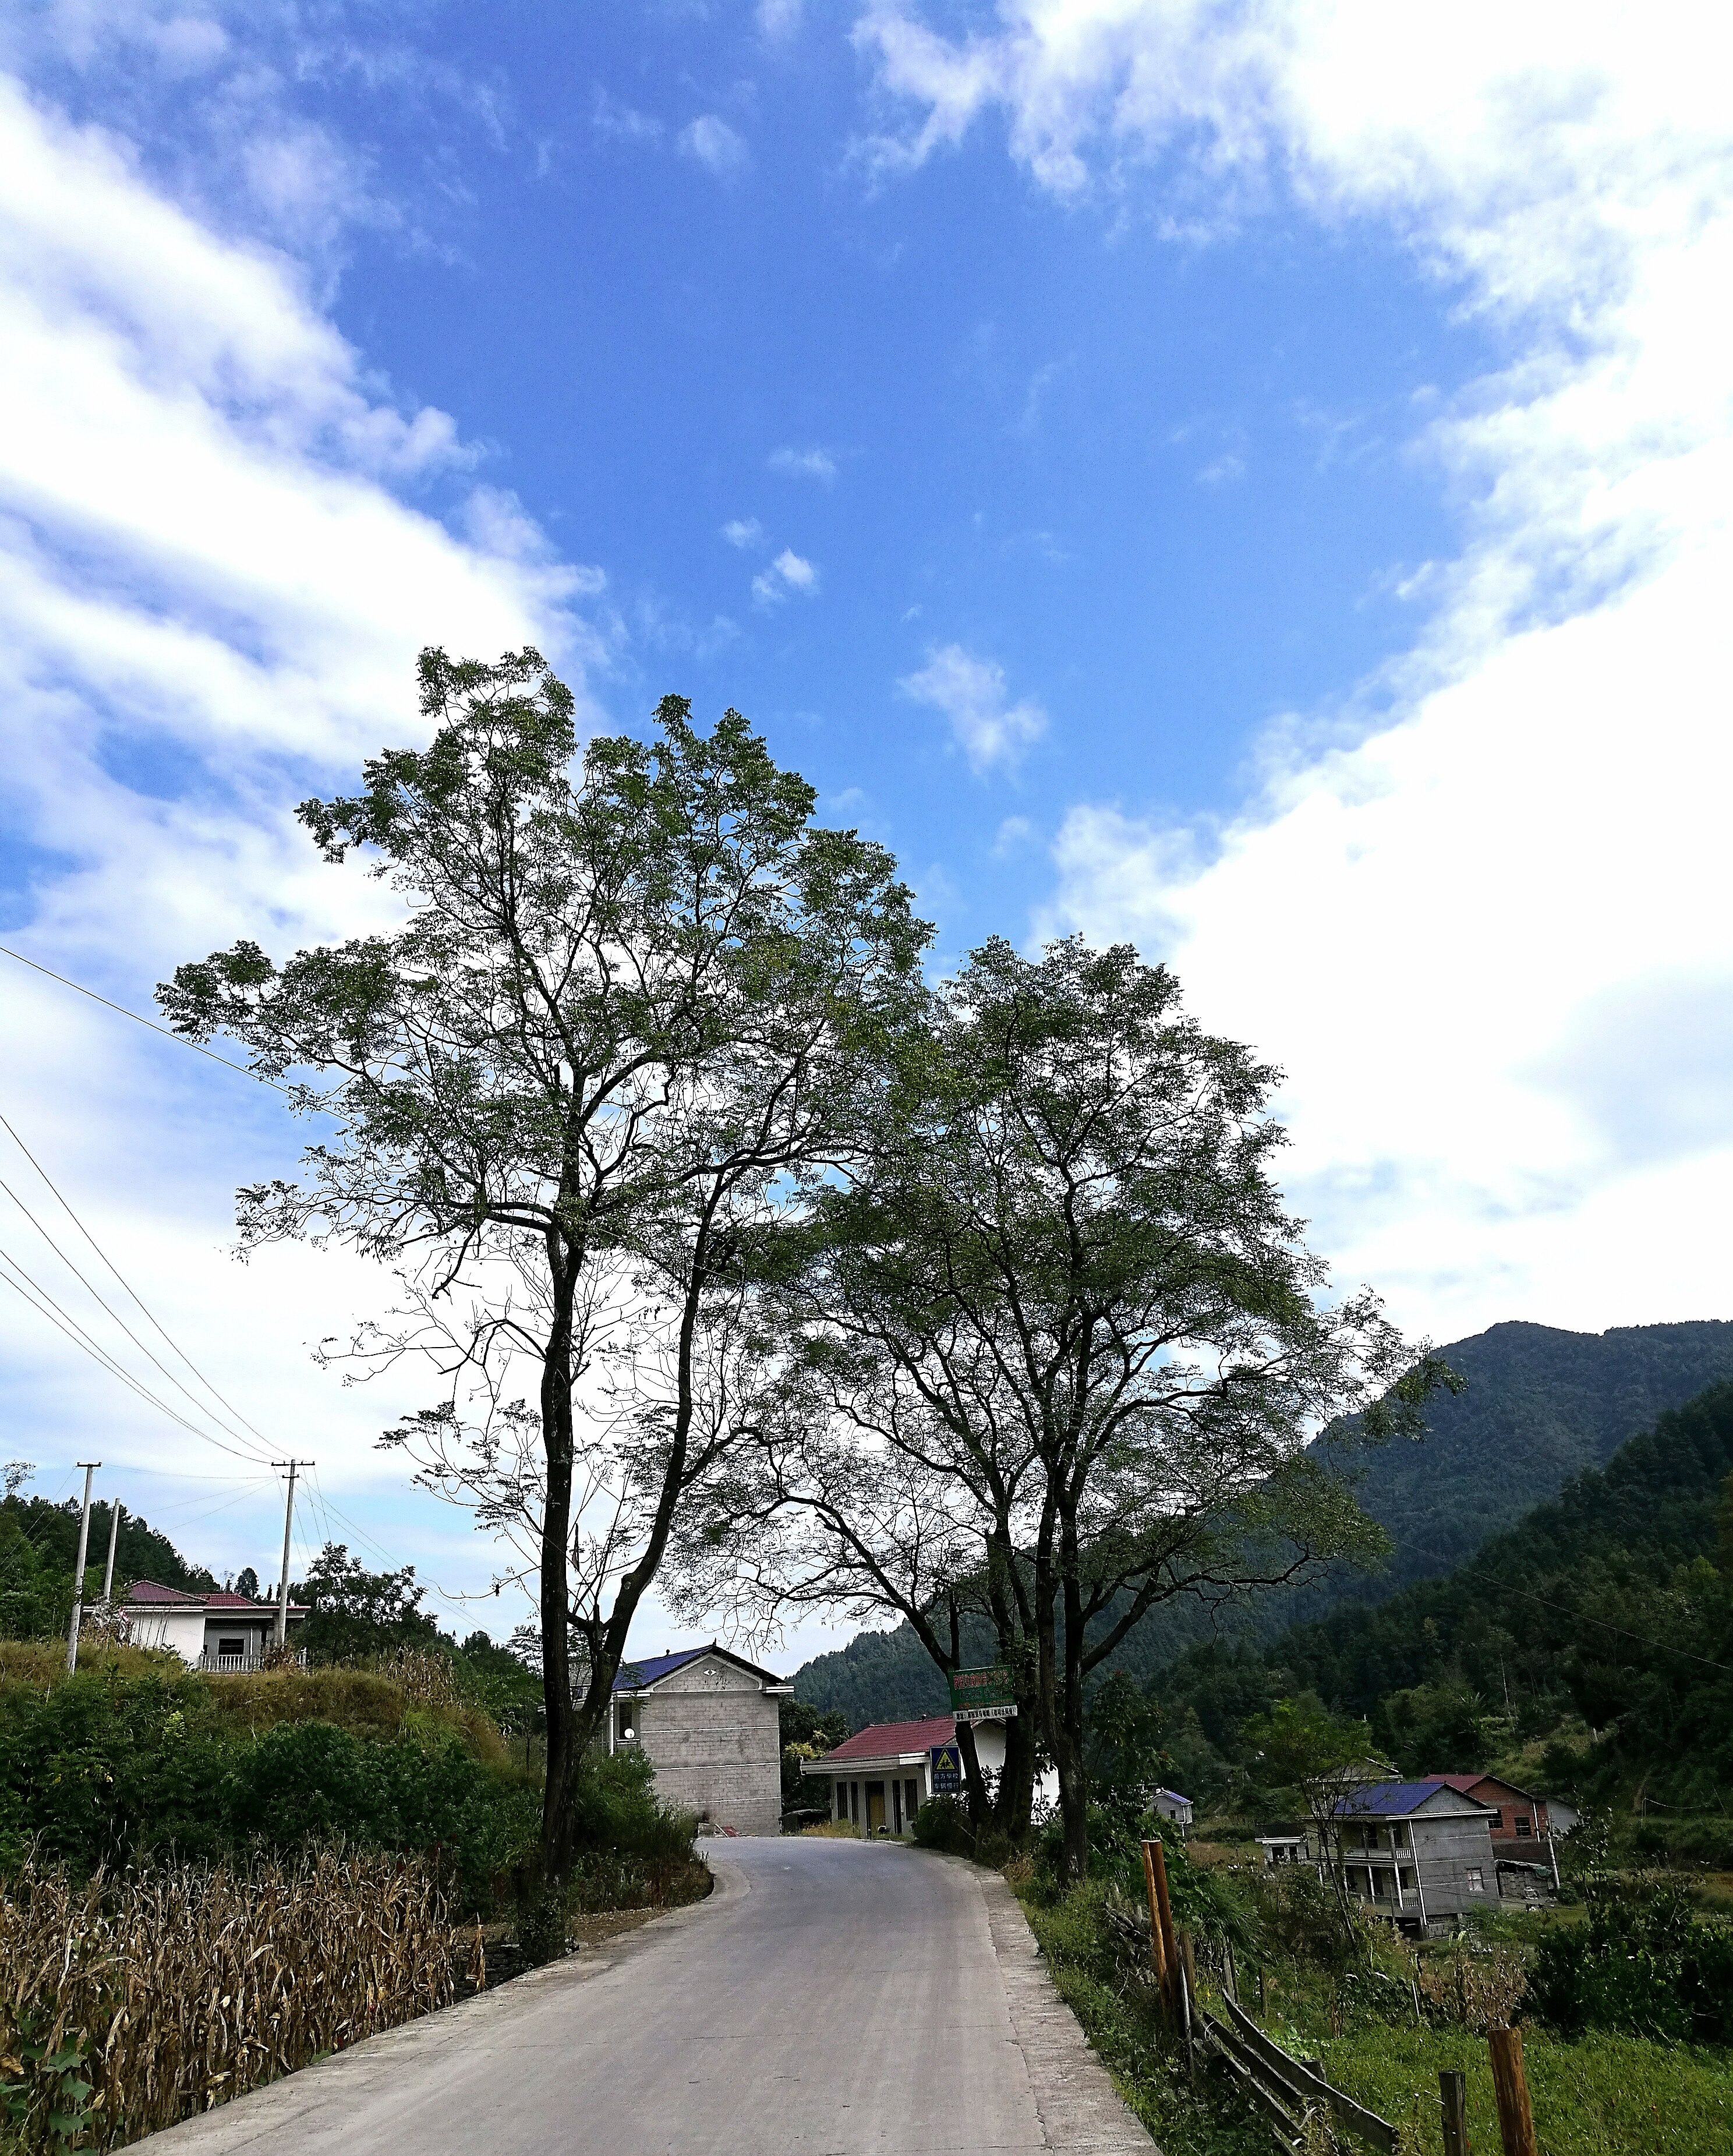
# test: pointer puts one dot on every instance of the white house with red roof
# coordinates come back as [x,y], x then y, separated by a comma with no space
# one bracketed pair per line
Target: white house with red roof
[216,1631]
[882,1775]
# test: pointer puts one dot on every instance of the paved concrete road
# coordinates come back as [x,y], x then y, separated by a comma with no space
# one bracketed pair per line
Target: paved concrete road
[830,1998]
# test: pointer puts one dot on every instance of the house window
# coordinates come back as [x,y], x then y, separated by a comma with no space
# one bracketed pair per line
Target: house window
[628,1712]
[1407,1879]
[1477,1884]
[911,1801]
[231,1647]
[1522,1825]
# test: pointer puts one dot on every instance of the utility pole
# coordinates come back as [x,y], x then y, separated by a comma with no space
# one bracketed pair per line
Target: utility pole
[90,1467]
[287,1521]
[114,1537]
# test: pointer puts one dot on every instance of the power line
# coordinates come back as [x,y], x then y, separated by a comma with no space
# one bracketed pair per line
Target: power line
[197,1049]
[1582,1616]
[197,1405]
[38,1296]
[173,1345]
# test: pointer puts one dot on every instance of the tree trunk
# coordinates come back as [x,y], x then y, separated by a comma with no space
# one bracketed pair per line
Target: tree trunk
[1016,1801]
[1068,1745]
[562,1735]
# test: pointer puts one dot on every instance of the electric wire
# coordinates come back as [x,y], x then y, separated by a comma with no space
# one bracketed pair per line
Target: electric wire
[151,1024]
[67,1208]
[1583,1617]
[38,1296]
[196,1404]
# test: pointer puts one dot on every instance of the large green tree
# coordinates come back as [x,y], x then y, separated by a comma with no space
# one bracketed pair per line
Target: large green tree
[1069,1343]
[636,1007]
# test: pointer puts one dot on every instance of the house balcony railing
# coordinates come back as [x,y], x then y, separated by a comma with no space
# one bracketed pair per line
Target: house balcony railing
[237,1665]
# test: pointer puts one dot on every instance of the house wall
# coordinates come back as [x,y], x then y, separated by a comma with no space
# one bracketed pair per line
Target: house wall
[1445,1849]
[837,1789]
[182,1631]
[714,1739]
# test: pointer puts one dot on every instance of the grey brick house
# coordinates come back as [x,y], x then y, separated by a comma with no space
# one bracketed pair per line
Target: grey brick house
[1420,1852]
[707,1720]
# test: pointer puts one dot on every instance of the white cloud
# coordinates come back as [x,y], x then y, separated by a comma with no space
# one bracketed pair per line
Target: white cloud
[715,145]
[620,122]
[778,18]
[804,463]
[972,694]
[1483,939]
[787,573]
[743,532]
[211,599]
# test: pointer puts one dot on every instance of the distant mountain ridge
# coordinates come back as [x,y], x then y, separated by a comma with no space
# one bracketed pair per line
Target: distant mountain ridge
[1540,1405]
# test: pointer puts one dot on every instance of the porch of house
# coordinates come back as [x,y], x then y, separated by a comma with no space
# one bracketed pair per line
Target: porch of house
[878,1804]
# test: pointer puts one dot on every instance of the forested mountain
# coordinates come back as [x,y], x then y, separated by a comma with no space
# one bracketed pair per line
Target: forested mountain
[1608,1613]
[1539,1405]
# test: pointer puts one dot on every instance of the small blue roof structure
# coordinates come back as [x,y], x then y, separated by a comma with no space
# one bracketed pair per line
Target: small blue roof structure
[633,1676]
[1396,1799]
[640,1674]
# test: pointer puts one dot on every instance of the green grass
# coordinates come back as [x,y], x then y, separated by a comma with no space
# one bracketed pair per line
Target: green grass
[1121,2022]
[1604,2096]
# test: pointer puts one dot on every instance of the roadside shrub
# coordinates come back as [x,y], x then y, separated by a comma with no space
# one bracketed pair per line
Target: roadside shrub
[942,1823]
[307,1781]
[113,1765]
[1643,1964]
[633,1852]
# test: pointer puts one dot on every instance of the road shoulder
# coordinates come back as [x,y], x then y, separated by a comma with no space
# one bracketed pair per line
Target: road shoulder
[1081,2112]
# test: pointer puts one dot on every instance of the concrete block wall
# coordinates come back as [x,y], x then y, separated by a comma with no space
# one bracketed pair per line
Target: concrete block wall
[714,1740]
[1445,1848]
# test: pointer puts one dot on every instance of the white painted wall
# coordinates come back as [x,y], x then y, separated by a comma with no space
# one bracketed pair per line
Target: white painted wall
[182,1630]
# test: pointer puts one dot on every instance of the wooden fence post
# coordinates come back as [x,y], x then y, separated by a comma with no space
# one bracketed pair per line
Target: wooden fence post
[1158,1860]
[1453,2096]
[1157,1945]
[1517,2121]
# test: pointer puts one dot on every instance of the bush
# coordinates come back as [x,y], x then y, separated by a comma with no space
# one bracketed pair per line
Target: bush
[633,1852]
[1643,1965]
[942,1823]
[150,1757]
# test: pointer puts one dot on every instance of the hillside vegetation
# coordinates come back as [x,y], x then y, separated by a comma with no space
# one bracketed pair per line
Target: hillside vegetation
[1539,1406]
[1590,1647]
[138,1755]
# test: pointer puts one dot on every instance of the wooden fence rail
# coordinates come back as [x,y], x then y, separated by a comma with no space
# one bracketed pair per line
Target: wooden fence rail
[1284,2088]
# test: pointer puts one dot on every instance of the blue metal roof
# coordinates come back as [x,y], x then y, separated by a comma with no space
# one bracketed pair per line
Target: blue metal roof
[631,1676]
[1388,1800]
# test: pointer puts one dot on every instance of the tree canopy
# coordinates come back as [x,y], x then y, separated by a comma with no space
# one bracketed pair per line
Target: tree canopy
[633,1013]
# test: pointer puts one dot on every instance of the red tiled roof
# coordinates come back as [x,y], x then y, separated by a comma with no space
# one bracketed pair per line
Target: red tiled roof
[885,1740]
[1466,1784]
[182,1597]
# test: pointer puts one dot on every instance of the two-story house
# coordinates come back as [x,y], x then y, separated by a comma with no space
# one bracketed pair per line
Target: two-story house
[1418,1852]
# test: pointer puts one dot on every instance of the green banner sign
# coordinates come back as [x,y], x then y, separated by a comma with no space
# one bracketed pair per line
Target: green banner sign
[982,1695]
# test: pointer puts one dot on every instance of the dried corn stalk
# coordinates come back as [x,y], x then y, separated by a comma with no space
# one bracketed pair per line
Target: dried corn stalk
[182,1986]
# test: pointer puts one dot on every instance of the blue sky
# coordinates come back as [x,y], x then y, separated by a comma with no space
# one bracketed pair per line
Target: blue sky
[1247,479]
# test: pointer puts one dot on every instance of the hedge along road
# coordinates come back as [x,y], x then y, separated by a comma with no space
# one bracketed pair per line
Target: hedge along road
[830,1997]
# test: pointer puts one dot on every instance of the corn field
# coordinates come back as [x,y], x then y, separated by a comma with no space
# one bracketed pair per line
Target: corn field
[129,2003]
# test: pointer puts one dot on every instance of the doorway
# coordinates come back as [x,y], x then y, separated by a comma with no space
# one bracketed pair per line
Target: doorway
[875,1807]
